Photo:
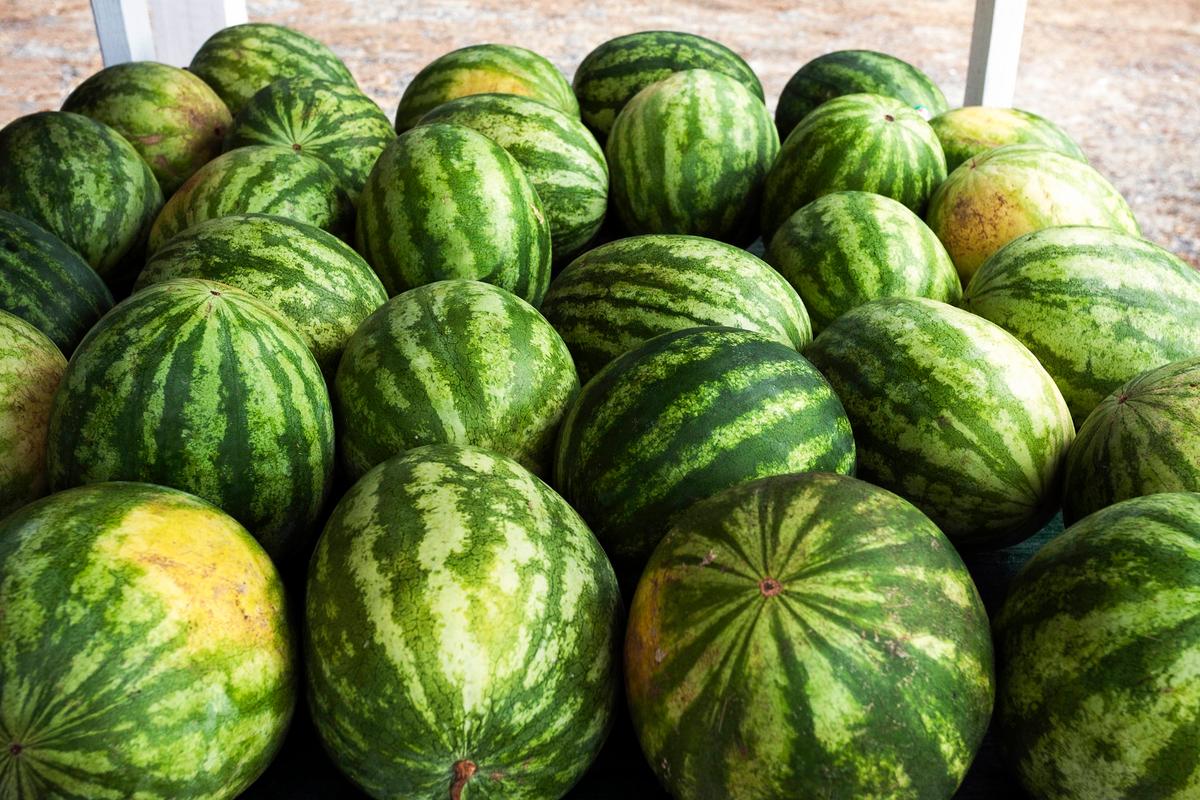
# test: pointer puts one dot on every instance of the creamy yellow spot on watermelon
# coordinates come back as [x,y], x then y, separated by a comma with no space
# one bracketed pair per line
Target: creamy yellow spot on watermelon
[481,81]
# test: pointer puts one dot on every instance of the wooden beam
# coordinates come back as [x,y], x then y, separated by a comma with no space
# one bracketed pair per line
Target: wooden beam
[181,26]
[995,52]
[123,27]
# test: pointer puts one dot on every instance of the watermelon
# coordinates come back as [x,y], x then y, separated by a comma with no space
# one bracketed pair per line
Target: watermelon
[80,180]
[618,69]
[847,248]
[460,612]
[443,202]
[973,130]
[484,69]
[144,649]
[1095,649]
[47,284]
[1095,306]
[863,142]
[457,362]
[993,198]
[808,636]
[951,413]
[31,368]
[173,119]
[557,153]
[683,416]
[856,72]
[313,279]
[333,121]
[689,154]
[611,299]
[264,179]
[197,385]
[239,60]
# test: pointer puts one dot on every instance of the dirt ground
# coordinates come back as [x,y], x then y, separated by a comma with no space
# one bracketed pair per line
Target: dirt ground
[1122,76]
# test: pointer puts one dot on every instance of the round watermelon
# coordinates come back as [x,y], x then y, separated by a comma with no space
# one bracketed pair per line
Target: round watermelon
[144,649]
[973,130]
[459,611]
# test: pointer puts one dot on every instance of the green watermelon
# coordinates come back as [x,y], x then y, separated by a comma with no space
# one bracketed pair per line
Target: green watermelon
[618,69]
[1095,306]
[239,60]
[951,413]
[446,202]
[144,649]
[47,284]
[319,285]
[457,362]
[1141,439]
[611,299]
[1096,652]
[1004,193]
[173,119]
[973,130]
[484,69]
[808,636]
[856,72]
[80,180]
[683,416]
[863,142]
[264,179]
[557,152]
[848,248]
[689,154]
[460,613]
[31,368]
[333,121]
[199,386]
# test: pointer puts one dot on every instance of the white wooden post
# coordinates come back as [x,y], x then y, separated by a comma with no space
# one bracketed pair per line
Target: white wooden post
[995,51]
[169,31]
[123,27]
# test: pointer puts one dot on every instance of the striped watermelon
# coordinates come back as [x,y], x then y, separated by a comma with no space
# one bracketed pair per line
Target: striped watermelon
[689,154]
[856,72]
[460,612]
[1095,306]
[333,121]
[264,179]
[199,386]
[683,416]
[808,636]
[1097,694]
[314,280]
[847,248]
[457,362]
[144,649]
[862,142]
[484,69]
[173,119]
[239,60]
[993,198]
[611,299]
[447,202]
[557,152]
[47,284]
[1142,439]
[618,69]
[31,368]
[952,413]
[80,180]
[973,130]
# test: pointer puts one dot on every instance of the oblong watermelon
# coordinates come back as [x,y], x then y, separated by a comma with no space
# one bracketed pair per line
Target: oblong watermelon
[444,202]
[611,299]
[199,386]
[951,413]
[848,248]
[808,636]
[460,611]
[973,130]
[144,649]
[47,284]
[1097,307]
